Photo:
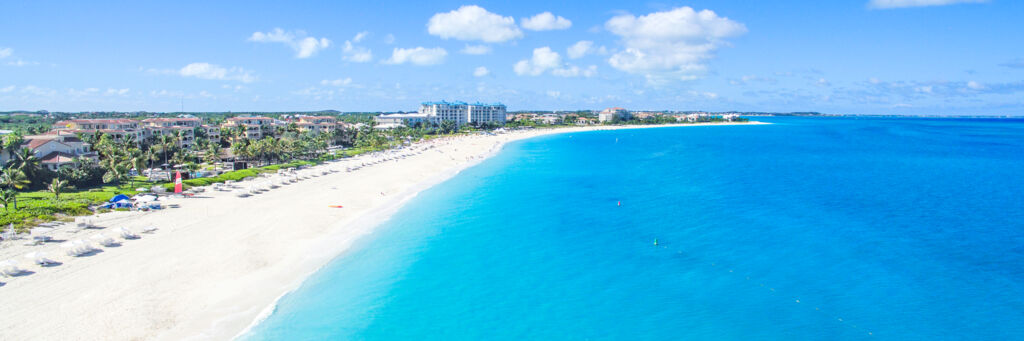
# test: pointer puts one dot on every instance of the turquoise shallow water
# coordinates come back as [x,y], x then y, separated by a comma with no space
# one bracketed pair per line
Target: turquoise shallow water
[808,229]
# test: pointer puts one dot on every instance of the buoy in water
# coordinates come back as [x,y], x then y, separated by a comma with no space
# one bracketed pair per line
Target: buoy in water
[620,203]
[655,241]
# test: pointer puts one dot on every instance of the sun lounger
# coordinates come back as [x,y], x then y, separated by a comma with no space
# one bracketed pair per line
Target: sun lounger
[104,240]
[10,268]
[127,234]
[40,259]
[77,248]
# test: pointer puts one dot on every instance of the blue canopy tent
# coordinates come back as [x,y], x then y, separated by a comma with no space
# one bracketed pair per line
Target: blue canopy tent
[118,201]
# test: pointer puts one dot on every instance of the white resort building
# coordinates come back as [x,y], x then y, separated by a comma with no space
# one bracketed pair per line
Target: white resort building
[459,112]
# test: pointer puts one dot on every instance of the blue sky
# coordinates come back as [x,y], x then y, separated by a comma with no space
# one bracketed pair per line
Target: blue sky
[856,56]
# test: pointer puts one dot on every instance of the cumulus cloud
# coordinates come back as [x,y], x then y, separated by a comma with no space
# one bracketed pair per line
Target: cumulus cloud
[473,23]
[6,52]
[356,54]
[476,49]
[418,56]
[670,45]
[544,60]
[481,71]
[216,72]
[579,49]
[883,4]
[337,82]
[119,92]
[545,22]
[303,46]
[360,36]
[575,71]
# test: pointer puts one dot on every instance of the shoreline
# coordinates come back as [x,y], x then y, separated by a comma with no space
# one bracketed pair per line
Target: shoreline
[215,270]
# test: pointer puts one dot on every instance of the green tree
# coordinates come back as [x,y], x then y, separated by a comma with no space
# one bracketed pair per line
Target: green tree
[14,180]
[8,196]
[26,162]
[57,187]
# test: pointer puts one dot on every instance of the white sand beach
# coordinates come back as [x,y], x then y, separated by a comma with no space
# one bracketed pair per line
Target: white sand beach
[218,261]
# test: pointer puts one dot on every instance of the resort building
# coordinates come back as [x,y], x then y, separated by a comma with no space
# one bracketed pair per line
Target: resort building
[58,150]
[388,121]
[183,127]
[118,128]
[256,127]
[212,132]
[550,119]
[612,114]
[463,113]
[318,124]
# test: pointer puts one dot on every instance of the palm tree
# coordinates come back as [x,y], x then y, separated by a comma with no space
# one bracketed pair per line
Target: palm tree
[116,168]
[14,180]
[56,187]
[138,161]
[150,156]
[8,196]
[12,142]
[26,162]
[166,141]
[212,154]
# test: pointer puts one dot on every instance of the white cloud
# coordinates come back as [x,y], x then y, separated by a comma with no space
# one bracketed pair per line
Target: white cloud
[546,21]
[881,4]
[360,36]
[418,55]
[476,49]
[337,82]
[473,23]
[20,62]
[119,92]
[481,71]
[822,82]
[304,46]
[216,72]
[670,45]
[580,49]
[544,60]
[6,89]
[6,52]
[554,94]
[575,71]
[356,54]
[389,39]
[975,85]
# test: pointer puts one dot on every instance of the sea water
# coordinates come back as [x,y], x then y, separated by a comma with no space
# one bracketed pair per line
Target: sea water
[806,229]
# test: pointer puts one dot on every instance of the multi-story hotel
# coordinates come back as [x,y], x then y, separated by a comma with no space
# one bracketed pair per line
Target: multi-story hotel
[117,128]
[463,113]
[256,127]
[185,126]
[318,124]
[436,112]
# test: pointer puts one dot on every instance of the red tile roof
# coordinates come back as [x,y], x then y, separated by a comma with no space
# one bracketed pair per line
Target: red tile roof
[57,157]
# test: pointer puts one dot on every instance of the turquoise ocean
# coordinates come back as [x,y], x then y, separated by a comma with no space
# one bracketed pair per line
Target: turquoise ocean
[806,229]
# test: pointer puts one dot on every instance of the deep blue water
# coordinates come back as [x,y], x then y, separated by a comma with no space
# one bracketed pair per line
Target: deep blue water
[808,229]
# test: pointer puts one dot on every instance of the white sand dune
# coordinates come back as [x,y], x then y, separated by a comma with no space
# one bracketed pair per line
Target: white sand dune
[218,261]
